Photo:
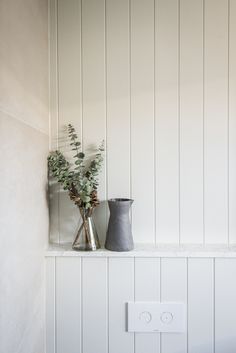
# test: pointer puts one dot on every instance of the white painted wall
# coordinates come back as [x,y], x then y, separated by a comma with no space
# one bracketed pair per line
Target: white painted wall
[87,296]
[23,173]
[156,79]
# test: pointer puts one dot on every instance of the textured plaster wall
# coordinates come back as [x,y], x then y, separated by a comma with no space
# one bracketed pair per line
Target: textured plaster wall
[23,173]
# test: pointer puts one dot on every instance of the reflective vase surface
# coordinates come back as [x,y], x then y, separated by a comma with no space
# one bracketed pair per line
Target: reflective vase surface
[87,237]
[119,234]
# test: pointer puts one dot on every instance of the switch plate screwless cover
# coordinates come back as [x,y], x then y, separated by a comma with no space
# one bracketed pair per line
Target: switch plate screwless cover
[156,317]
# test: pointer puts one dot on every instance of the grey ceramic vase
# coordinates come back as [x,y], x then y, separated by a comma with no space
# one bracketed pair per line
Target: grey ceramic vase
[119,234]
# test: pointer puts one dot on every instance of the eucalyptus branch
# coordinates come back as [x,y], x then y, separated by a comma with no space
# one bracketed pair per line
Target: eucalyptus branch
[80,182]
[95,167]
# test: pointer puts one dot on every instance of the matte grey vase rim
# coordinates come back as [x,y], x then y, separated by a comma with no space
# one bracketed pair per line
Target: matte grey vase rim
[120,200]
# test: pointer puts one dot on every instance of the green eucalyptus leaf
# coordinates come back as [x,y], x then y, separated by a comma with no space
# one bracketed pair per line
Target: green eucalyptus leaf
[81,155]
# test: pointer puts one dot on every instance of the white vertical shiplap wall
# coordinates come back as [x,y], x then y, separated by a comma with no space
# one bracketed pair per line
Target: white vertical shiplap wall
[191,120]
[120,291]
[225,310]
[142,118]
[216,40]
[53,143]
[118,98]
[93,78]
[86,303]
[232,120]
[69,94]
[174,288]
[201,305]
[94,305]
[167,121]
[147,288]
[156,79]
[67,305]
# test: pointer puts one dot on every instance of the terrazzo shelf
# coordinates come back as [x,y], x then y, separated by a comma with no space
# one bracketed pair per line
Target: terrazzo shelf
[149,250]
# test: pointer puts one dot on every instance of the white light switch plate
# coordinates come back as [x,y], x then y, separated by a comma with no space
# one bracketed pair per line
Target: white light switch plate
[156,317]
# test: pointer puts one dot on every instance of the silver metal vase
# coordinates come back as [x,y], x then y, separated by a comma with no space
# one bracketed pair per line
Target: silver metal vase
[87,237]
[119,235]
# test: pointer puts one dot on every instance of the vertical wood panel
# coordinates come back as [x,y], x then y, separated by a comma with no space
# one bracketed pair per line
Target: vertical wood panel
[147,288]
[94,91]
[200,306]
[118,98]
[167,137]
[232,122]
[174,288]
[68,305]
[216,121]
[94,288]
[69,61]
[142,119]
[120,287]
[225,309]
[90,51]
[191,121]
[69,96]
[50,305]
[53,142]
[121,290]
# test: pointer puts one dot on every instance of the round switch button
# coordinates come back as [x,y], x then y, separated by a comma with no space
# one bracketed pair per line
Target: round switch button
[166,317]
[145,316]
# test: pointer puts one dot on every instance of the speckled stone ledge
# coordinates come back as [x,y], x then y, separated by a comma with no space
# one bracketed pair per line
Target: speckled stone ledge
[148,250]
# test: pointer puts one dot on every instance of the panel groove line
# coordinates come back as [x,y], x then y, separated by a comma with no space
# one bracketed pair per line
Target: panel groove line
[130,112]
[81,306]
[154,123]
[134,295]
[228,85]
[81,74]
[187,305]
[203,120]
[108,301]
[214,305]
[179,132]
[106,111]
[57,116]
[55,306]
